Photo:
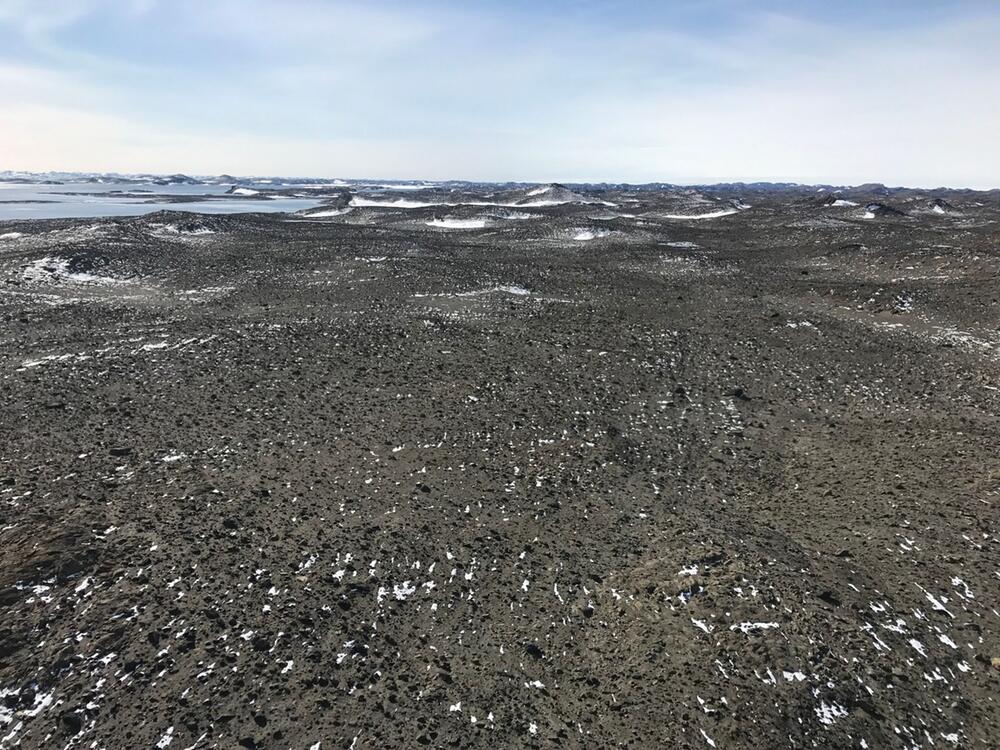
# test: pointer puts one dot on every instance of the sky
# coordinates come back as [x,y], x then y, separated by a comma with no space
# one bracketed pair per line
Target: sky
[904,92]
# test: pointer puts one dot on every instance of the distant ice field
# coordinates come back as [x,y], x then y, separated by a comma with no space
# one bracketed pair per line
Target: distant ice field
[18,201]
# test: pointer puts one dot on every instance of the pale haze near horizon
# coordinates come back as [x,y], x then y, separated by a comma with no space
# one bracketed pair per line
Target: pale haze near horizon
[904,93]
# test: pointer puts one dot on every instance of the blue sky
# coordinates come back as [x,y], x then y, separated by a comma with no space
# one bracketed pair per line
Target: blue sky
[569,90]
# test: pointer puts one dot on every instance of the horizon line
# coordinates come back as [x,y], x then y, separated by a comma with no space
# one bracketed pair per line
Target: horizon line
[431,183]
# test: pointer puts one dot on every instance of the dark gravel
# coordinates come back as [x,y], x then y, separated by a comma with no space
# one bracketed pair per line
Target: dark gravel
[357,481]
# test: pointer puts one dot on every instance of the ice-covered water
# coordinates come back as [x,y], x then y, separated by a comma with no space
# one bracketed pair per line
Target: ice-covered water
[85,200]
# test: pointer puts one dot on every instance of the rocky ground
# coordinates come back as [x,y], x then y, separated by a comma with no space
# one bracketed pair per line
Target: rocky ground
[525,469]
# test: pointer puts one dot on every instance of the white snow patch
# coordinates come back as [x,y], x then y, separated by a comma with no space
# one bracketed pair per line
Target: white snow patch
[828,713]
[585,235]
[6,714]
[518,291]
[42,702]
[956,582]
[406,187]
[398,203]
[545,204]
[166,739]
[701,624]
[174,229]
[404,203]
[57,269]
[329,212]
[947,641]
[748,627]
[936,603]
[711,215]
[403,590]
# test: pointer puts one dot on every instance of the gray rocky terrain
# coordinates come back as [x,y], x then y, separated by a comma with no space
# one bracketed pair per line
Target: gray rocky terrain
[505,467]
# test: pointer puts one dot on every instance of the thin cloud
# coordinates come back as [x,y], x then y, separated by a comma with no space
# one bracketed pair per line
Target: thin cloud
[571,91]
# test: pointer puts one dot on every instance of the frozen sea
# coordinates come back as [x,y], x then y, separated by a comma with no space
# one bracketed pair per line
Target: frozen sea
[87,200]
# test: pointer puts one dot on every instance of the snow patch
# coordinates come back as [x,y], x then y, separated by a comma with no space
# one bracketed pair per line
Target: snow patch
[748,627]
[828,713]
[330,212]
[586,235]
[711,215]
[166,739]
[398,203]
[518,291]
[403,590]
[57,269]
